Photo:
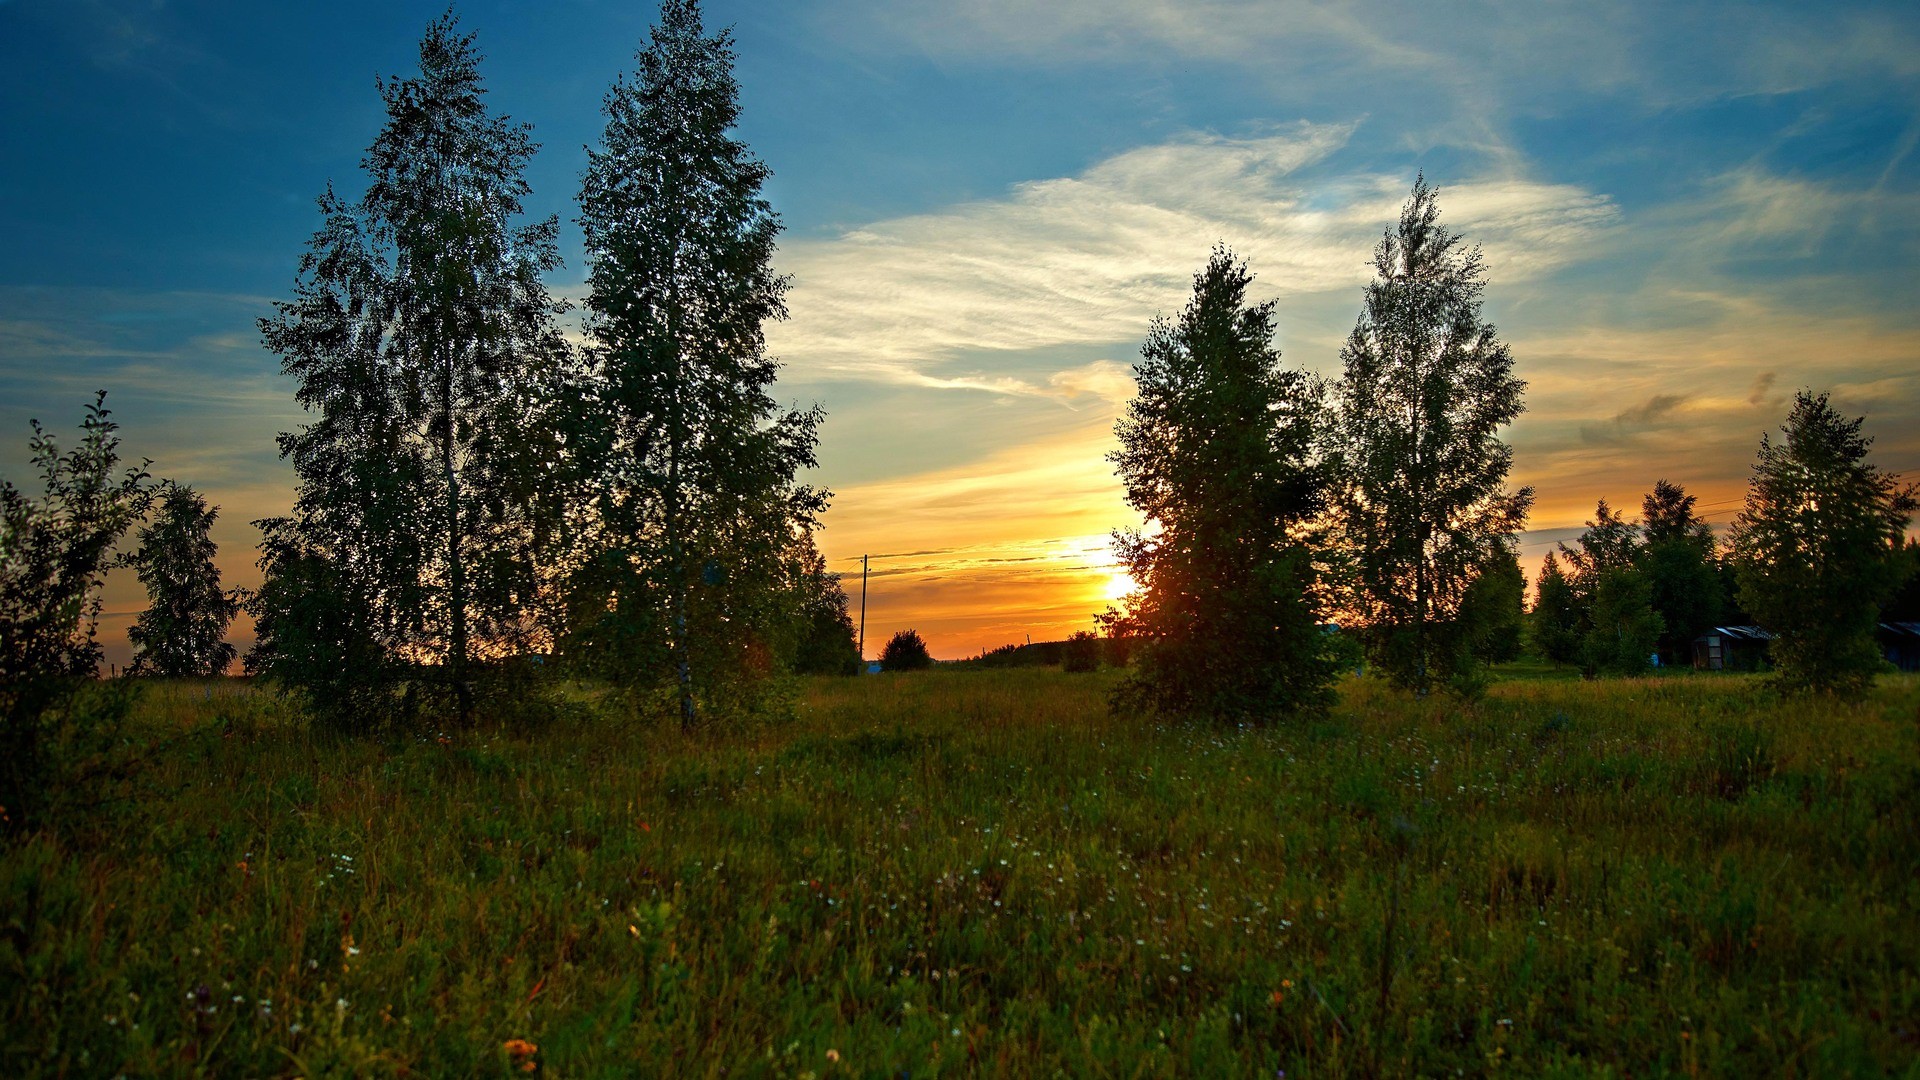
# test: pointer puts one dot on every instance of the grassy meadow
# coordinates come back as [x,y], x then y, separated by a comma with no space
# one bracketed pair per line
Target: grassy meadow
[983,872]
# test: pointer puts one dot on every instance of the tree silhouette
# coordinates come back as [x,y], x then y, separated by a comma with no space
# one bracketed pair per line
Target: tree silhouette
[1678,557]
[183,632]
[1817,549]
[1555,618]
[1216,450]
[905,651]
[692,466]
[1426,387]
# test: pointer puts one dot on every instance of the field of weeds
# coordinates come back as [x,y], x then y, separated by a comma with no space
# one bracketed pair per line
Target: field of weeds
[958,872]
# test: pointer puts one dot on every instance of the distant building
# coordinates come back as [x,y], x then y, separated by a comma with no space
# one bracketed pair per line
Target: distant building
[1731,648]
[1900,644]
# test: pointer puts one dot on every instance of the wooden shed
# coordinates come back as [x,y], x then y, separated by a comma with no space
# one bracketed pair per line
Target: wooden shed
[1731,648]
[1900,644]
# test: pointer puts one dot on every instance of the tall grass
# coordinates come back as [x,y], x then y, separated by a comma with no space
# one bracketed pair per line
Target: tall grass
[956,871]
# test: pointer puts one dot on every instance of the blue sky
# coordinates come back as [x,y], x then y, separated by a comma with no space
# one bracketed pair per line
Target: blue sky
[1689,211]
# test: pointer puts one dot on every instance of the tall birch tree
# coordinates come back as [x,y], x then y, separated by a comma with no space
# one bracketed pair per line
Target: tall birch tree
[422,339]
[691,465]
[1427,386]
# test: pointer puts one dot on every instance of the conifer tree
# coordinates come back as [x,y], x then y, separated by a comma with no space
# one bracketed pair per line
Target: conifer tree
[1817,549]
[1678,556]
[1217,451]
[691,464]
[1555,619]
[1426,388]
[422,339]
[183,632]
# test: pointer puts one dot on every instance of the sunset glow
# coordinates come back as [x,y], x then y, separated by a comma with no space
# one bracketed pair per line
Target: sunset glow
[985,205]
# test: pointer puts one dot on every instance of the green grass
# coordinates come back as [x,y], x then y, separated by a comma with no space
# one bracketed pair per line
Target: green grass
[954,872]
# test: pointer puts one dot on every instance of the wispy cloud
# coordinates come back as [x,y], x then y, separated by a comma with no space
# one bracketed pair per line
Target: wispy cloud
[1089,259]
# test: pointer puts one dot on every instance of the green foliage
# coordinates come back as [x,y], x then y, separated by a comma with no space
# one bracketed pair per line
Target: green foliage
[1554,621]
[1818,548]
[1492,611]
[1426,387]
[1905,604]
[1623,629]
[423,344]
[58,731]
[905,651]
[1612,597]
[1028,654]
[687,466]
[183,632]
[314,635]
[1216,449]
[1081,652]
[825,638]
[1681,564]
[1648,876]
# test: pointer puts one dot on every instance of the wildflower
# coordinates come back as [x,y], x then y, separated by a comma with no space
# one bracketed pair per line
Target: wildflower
[519,1049]
[833,1055]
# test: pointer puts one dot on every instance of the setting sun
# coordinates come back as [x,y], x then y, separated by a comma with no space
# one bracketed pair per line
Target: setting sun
[1119,584]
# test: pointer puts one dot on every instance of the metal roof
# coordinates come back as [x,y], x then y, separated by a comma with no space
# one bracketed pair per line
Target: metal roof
[1739,633]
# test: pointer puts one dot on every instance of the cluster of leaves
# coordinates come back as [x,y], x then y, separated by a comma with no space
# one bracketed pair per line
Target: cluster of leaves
[58,725]
[1080,652]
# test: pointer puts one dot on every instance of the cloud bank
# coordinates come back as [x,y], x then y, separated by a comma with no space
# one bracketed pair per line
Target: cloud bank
[1089,259]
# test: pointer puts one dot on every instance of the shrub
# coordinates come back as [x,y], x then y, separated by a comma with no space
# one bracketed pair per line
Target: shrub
[905,651]
[1081,653]
[58,726]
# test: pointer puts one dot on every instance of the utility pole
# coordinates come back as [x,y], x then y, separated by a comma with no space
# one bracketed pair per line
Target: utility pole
[863,611]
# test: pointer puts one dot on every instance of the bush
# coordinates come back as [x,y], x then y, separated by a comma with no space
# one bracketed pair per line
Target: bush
[905,651]
[58,726]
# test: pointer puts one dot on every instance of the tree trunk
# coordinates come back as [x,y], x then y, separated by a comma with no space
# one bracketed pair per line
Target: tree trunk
[676,546]
[456,570]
